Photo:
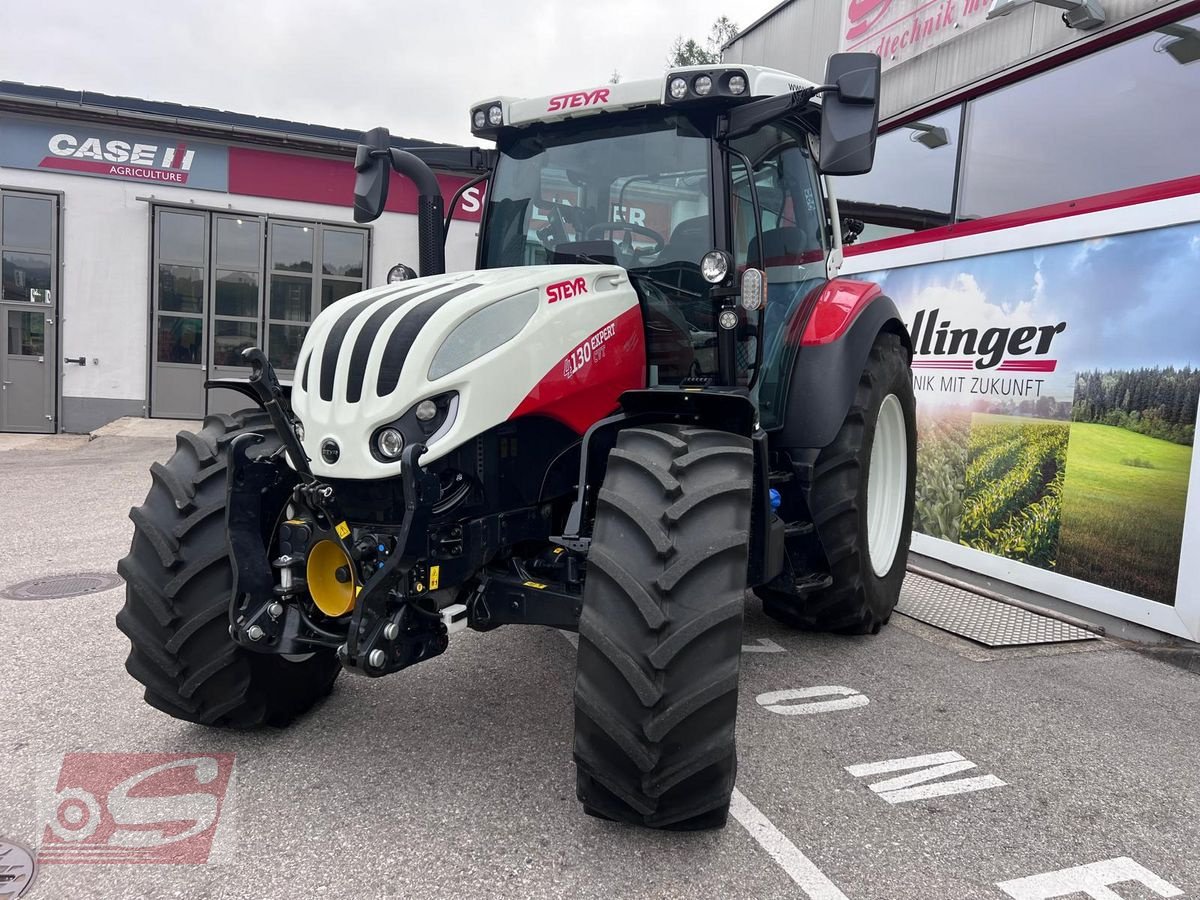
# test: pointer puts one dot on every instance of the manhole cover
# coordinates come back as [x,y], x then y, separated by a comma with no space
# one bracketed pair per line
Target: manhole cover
[57,587]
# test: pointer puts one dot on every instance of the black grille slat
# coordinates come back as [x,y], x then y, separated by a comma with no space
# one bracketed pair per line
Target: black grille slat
[333,344]
[366,339]
[405,332]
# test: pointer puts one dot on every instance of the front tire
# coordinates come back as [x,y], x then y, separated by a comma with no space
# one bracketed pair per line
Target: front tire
[661,632]
[178,580]
[860,493]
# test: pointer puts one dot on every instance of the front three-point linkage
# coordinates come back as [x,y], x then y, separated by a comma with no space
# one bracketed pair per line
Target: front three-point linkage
[394,624]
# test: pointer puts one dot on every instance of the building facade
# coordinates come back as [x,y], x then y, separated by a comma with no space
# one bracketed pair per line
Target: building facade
[1034,211]
[145,245]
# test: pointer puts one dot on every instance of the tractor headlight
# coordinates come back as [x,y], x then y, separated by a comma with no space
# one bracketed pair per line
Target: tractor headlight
[479,119]
[495,115]
[426,411]
[703,85]
[737,84]
[678,88]
[390,443]
[483,331]
[714,266]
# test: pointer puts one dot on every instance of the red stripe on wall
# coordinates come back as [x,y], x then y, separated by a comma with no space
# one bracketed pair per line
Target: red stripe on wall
[287,176]
[177,162]
[1165,190]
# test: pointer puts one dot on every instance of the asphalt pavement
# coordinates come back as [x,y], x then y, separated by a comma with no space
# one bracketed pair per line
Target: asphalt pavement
[912,764]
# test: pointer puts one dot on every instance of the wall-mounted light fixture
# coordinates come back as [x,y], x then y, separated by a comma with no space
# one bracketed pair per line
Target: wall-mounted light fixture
[1081,14]
[932,136]
[1184,46]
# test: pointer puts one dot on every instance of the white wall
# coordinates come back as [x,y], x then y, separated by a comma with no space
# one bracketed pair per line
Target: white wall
[105,290]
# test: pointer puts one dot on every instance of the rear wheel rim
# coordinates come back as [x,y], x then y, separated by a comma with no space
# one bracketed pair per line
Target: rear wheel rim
[887,485]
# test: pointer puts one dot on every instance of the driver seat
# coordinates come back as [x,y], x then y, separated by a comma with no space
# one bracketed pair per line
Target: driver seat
[690,240]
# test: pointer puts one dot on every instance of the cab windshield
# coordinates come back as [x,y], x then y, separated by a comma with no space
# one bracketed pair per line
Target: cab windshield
[636,193]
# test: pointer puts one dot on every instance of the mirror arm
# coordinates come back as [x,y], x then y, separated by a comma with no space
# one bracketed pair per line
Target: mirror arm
[742,120]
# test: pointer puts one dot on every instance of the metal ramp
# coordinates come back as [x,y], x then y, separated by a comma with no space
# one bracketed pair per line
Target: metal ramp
[981,619]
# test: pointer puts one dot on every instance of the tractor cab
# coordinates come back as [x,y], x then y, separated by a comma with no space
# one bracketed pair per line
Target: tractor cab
[687,182]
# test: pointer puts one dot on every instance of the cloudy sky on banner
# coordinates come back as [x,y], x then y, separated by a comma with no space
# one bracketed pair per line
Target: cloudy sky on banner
[414,67]
[1128,300]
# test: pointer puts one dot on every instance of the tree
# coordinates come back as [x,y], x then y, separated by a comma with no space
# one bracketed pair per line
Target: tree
[690,53]
[615,77]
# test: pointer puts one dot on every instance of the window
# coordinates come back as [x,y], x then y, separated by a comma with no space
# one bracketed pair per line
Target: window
[1119,118]
[911,186]
[25,252]
[635,193]
[309,267]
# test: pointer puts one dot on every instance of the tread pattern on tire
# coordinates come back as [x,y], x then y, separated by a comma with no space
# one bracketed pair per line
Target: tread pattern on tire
[858,602]
[661,632]
[178,581]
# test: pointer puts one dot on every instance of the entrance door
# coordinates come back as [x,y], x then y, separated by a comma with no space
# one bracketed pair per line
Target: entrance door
[180,306]
[224,282]
[28,312]
[236,278]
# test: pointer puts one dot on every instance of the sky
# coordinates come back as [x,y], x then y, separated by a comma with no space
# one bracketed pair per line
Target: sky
[415,68]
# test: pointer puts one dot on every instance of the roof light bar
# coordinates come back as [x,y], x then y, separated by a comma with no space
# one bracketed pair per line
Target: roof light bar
[690,86]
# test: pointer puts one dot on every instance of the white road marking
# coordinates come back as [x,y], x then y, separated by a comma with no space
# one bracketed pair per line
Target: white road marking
[1092,880]
[775,700]
[763,645]
[910,787]
[811,880]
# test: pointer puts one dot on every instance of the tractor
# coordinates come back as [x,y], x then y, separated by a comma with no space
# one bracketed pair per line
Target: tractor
[652,396]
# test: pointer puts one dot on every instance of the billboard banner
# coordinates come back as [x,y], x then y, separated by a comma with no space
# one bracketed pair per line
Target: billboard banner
[897,30]
[1057,393]
[84,149]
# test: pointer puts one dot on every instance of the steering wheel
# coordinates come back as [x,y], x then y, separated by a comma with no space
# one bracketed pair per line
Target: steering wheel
[602,228]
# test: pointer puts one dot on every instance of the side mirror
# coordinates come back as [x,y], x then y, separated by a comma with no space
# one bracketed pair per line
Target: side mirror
[850,114]
[373,165]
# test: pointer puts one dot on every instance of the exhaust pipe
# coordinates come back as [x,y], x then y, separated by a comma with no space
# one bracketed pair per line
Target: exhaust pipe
[374,162]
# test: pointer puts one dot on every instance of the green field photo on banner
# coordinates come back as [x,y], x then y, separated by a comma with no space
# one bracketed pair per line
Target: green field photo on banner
[1057,392]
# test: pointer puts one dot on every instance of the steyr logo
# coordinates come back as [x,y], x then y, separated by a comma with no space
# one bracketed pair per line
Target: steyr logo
[562,290]
[863,15]
[577,98]
[135,808]
[147,162]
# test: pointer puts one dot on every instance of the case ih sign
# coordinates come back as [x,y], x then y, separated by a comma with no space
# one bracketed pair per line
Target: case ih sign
[107,153]
[901,29]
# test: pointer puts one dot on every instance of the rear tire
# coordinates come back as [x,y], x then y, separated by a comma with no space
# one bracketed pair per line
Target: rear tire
[865,530]
[660,637]
[178,583]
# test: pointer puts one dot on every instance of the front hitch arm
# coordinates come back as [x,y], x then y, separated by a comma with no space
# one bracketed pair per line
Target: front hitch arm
[368,648]
[267,390]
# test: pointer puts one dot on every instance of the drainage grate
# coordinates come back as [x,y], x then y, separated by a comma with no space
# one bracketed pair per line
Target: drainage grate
[58,587]
[985,621]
